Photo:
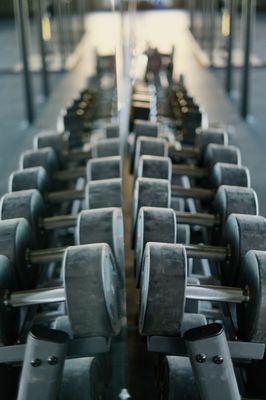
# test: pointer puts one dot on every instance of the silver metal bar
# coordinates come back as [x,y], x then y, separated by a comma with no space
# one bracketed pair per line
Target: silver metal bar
[70,174]
[44,71]
[60,221]
[186,152]
[192,193]
[217,253]
[46,255]
[36,296]
[216,293]
[77,155]
[202,219]
[248,10]
[22,22]
[231,39]
[65,195]
[190,170]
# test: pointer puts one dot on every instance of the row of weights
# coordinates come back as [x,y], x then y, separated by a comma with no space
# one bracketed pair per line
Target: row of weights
[166,290]
[88,276]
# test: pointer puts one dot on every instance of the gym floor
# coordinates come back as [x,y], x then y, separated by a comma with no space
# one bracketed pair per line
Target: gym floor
[157,28]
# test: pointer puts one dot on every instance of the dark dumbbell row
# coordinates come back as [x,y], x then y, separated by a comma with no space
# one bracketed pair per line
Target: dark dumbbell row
[62,255]
[199,246]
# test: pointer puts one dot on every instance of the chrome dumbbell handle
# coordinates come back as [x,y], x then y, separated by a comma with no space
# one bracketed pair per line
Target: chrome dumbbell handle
[203,219]
[190,170]
[60,221]
[216,293]
[217,253]
[34,297]
[70,174]
[65,195]
[192,193]
[45,255]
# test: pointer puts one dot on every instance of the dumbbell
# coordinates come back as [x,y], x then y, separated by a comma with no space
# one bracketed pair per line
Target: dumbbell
[161,224]
[97,194]
[103,225]
[159,147]
[162,167]
[44,156]
[89,289]
[17,243]
[60,143]
[159,192]
[164,291]
[241,233]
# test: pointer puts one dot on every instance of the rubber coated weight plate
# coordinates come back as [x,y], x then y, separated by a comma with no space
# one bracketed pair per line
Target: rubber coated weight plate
[57,141]
[224,154]
[104,225]
[9,318]
[26,204]
[104,193]
[30,178]
[210,135]
[45,158]
[91,282]
[153,225]
[106,148]
[83,379]
[162,289]
[155,167]
[145,128]
[230,200]
[178,381]
[15,239]
[150,193]
[148,146]
[251,315]
[241,233]
[104,168]
[230,174]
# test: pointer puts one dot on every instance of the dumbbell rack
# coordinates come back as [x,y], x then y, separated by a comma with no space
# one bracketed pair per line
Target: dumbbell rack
[209,358]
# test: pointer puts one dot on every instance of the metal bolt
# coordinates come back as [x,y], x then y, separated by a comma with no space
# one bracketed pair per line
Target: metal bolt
[201,358]
[52,360]
[218,359]
[36,362]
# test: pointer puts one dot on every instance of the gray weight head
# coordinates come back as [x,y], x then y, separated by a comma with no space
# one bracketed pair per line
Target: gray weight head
[178,380]
[234,199]
[26,204]
[91,287]
[45,158]
[112,130]
[154,224]
[224,154]
[210,135]
[146,128]
[55,140]
[104,168]
[149,146]
[150,192]
[251,314]
[106,148]
[230,174]
[9,318]
[104,225]
[104,193]
[82,376]
[15,240]
[242,233]
[62,324]
[162,289]
[30,178]
[155,167]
